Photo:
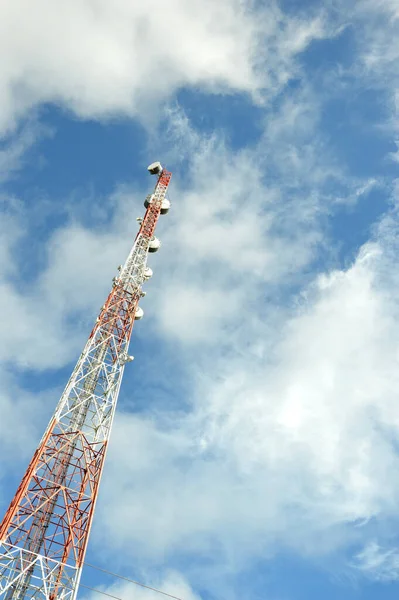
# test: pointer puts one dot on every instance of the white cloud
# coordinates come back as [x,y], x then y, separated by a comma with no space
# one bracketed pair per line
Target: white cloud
[243,219]
[378,563]
[13,152]
[290,451]
[101,60]
[377,28]
[41,309]
[375,18]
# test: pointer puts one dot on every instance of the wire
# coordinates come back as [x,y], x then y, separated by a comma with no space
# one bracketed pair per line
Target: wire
[130,580]
[99,591]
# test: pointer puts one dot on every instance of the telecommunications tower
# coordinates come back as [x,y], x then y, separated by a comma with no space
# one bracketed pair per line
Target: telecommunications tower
[44,534]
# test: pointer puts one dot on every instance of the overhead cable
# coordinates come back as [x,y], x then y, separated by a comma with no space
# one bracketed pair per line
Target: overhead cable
[130,581]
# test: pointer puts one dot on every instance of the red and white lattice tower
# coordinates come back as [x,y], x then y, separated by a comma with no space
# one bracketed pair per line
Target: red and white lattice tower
[44,534]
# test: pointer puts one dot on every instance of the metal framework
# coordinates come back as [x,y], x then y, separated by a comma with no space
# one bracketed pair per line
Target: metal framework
[45,531]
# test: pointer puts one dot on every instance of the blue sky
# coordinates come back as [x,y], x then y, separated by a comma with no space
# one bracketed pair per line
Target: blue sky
[255,449]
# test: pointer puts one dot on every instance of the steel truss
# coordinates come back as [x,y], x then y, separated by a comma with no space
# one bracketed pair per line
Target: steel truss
[44,534]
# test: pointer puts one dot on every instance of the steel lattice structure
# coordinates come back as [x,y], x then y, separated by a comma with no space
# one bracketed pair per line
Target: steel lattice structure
[45,531]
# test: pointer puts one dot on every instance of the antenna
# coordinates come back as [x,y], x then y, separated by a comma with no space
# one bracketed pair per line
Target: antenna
[45,531]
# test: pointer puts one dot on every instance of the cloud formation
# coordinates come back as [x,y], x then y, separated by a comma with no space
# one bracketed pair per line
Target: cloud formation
[378,563]
[101,60]
[291,450]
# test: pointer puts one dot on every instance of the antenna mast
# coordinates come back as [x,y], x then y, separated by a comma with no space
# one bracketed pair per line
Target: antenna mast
[45,531]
